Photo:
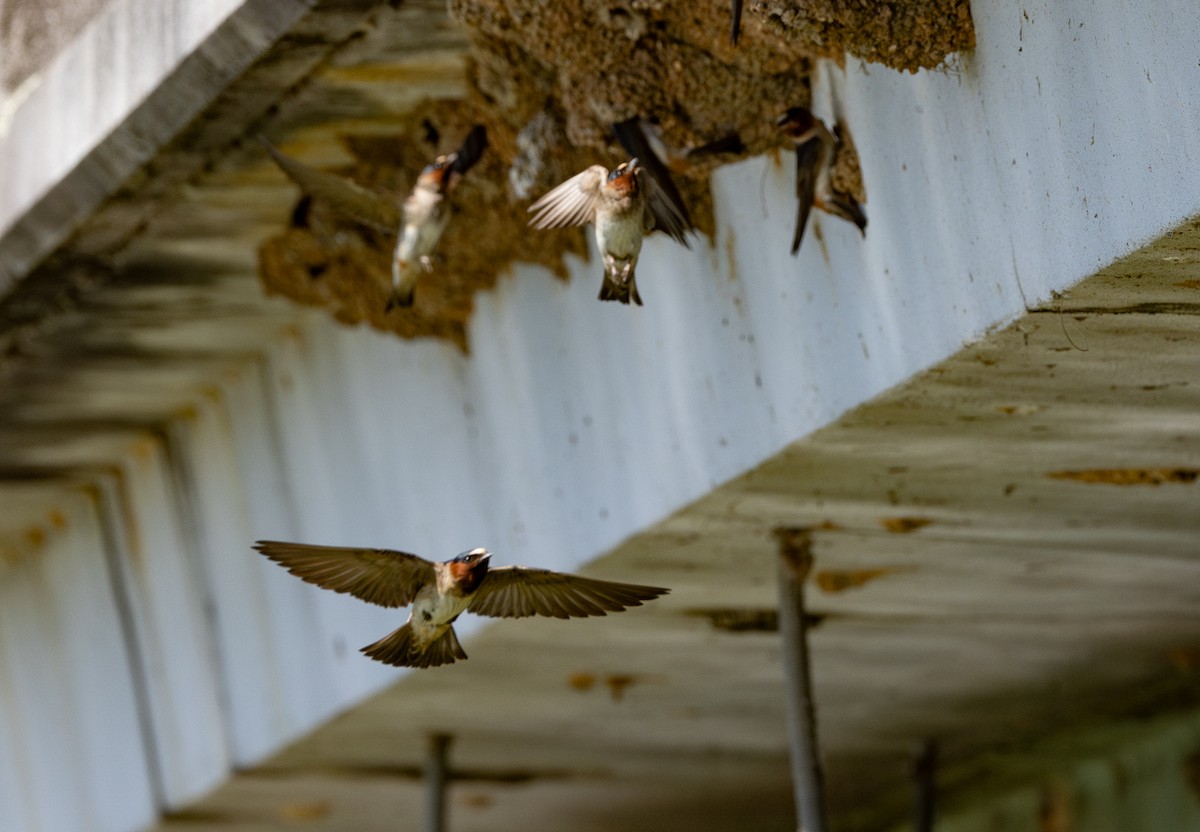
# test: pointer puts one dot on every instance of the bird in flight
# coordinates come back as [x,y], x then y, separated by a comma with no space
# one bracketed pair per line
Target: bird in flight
[418,223]
[815,147]
[440,591]
[623,204]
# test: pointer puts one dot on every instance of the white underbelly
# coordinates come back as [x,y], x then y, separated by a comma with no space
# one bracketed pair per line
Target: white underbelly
[417,241]
[621,236]
[432,614]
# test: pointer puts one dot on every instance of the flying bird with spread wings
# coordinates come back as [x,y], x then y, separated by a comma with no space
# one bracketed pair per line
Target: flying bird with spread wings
[623,204]
[440,591]
[418,222]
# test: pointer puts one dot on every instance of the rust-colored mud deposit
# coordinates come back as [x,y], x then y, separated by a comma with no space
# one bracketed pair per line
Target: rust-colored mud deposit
[326,259]
[1130,476]
[549,78]
[839,580]
[902,35]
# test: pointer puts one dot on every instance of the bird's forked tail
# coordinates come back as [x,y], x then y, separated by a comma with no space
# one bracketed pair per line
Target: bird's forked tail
[620,292]
[399,648]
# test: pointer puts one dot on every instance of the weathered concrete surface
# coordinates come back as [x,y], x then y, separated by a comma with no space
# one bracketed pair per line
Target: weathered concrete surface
[1136,773]
[968,592]
[103,110]
[32,33]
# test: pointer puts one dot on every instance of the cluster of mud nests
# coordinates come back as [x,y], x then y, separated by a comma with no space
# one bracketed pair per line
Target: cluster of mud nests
[549,78]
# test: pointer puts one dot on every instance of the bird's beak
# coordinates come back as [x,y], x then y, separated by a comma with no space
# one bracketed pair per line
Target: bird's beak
[633,163]
[485,556]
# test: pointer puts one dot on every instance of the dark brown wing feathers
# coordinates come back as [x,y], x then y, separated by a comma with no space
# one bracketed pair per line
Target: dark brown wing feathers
[472,148]
[669,216]
[379,576]
[362,204]
[666,203]
[807,156]
[517,592]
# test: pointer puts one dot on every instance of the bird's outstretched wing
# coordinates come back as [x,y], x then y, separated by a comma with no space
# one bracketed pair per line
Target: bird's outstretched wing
[380,576]
[432,136]
[571,203]
[808,156]
[731,142]
[669,216]
[518,592]
[847,208]
[472,148]
[361,204]
[845,205]
[666,203]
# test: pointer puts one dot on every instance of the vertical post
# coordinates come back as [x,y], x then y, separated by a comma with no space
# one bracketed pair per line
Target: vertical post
[435,783]
[795,562]
[924,773]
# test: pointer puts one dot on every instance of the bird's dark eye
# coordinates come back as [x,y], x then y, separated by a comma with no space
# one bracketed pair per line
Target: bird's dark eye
[616,172]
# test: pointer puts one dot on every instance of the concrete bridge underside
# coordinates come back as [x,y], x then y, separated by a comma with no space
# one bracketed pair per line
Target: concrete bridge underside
[985,415]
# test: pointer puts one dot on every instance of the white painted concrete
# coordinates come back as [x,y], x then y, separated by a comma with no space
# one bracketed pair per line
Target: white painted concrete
[159,575]
[93,85]
[111,79]
[70,750]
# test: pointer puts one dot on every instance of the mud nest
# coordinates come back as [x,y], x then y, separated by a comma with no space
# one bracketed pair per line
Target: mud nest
[326,259]
[549,78]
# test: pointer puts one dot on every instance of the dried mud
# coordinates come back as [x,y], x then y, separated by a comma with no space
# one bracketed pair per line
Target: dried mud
[325,259]
[548,78]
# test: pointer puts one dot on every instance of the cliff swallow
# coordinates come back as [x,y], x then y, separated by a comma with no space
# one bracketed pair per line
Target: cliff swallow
[418,223]
[439,592]
[623,204]
[815,147]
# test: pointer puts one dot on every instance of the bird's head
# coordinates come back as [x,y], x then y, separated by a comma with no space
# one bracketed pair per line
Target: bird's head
[469,568]
[796,122]
[623,178]
[440,173]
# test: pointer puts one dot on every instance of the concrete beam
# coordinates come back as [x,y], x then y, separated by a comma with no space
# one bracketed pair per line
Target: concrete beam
[87,123]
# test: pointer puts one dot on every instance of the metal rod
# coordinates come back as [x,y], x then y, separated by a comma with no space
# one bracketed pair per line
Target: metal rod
[808,782]
[435,782]
[924,774]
